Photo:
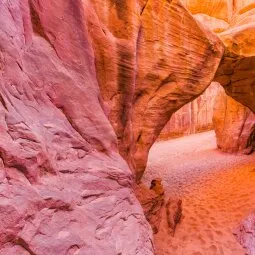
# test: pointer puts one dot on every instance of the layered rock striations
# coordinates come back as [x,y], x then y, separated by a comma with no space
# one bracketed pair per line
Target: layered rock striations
[64,187]
[81,83]
[150,62]
[234,125]
[194,117]
[236,74]
[234,23]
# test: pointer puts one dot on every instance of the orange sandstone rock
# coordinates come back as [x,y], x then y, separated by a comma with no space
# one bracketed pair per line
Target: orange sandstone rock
[234,125]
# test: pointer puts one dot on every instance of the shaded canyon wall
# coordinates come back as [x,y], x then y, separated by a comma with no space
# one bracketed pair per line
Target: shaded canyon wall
[84,84]
[194,117]
[64,188]
[234,125]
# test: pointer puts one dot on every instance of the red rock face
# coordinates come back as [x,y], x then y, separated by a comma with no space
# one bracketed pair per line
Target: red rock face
[148,68]
[236,75]
[153,205]
[82,82]
[233,22]
[234,125]
[64,188]
[194,117]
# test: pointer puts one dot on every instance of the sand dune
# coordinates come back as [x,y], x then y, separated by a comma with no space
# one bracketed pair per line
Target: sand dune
[217,189]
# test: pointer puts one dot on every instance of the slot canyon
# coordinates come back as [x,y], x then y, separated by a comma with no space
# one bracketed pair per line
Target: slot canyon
[127,127]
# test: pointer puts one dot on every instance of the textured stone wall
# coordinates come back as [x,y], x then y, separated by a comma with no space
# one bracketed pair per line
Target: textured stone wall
[194,117]
[64,188]
[84,84]
[234,125]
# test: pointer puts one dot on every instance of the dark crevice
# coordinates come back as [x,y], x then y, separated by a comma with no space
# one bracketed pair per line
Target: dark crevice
[139,137]
[36,23]
[3,102]
[170,78]
[38,28]
[19,65]
[104,31]
[24,245]
[251,141]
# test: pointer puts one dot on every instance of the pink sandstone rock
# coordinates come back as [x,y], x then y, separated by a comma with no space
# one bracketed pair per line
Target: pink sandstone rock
[245,234]
[152,203]
[64,188]
[81,83]
[173,213]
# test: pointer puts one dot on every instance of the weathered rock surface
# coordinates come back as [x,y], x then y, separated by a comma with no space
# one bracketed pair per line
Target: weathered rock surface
[237,75]
[152,202]
[234,125]
[64,187]
[237,69]
[234,23]
[245,234]
[162,214]
[194,117]
[82,82]
[149,67]
[173,213]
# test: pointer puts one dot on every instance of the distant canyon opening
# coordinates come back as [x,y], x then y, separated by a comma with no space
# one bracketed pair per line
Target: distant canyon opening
[214,183]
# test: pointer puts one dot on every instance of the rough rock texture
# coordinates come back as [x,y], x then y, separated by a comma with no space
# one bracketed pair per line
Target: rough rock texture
[64,188]
[160,213]
[234,23]
[237,75]
[173,213]
[149,67]
[234,125]
[194,117]
[237,70]
[152,203]
[245,234]
[82,82]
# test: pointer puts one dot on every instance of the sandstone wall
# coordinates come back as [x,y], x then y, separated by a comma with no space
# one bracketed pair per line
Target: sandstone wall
[64,188]
[194,117]
[82,82]
[151,60]
[234,125]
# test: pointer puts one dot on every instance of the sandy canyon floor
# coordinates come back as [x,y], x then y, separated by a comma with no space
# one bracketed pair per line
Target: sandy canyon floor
[217,190]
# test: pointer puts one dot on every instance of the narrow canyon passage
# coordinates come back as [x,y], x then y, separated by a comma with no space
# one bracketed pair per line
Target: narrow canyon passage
[217,191]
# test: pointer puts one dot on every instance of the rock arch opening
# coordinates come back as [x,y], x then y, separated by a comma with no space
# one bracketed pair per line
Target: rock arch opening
[214,185]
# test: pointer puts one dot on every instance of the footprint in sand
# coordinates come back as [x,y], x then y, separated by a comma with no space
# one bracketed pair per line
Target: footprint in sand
[213,249]
[212,207]
[201,239]
[214,224]
[209,234]
[219,233]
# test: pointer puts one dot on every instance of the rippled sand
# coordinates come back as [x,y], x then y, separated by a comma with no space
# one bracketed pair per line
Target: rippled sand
[217,189]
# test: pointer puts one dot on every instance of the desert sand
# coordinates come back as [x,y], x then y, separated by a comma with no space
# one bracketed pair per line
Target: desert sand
[217,190]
